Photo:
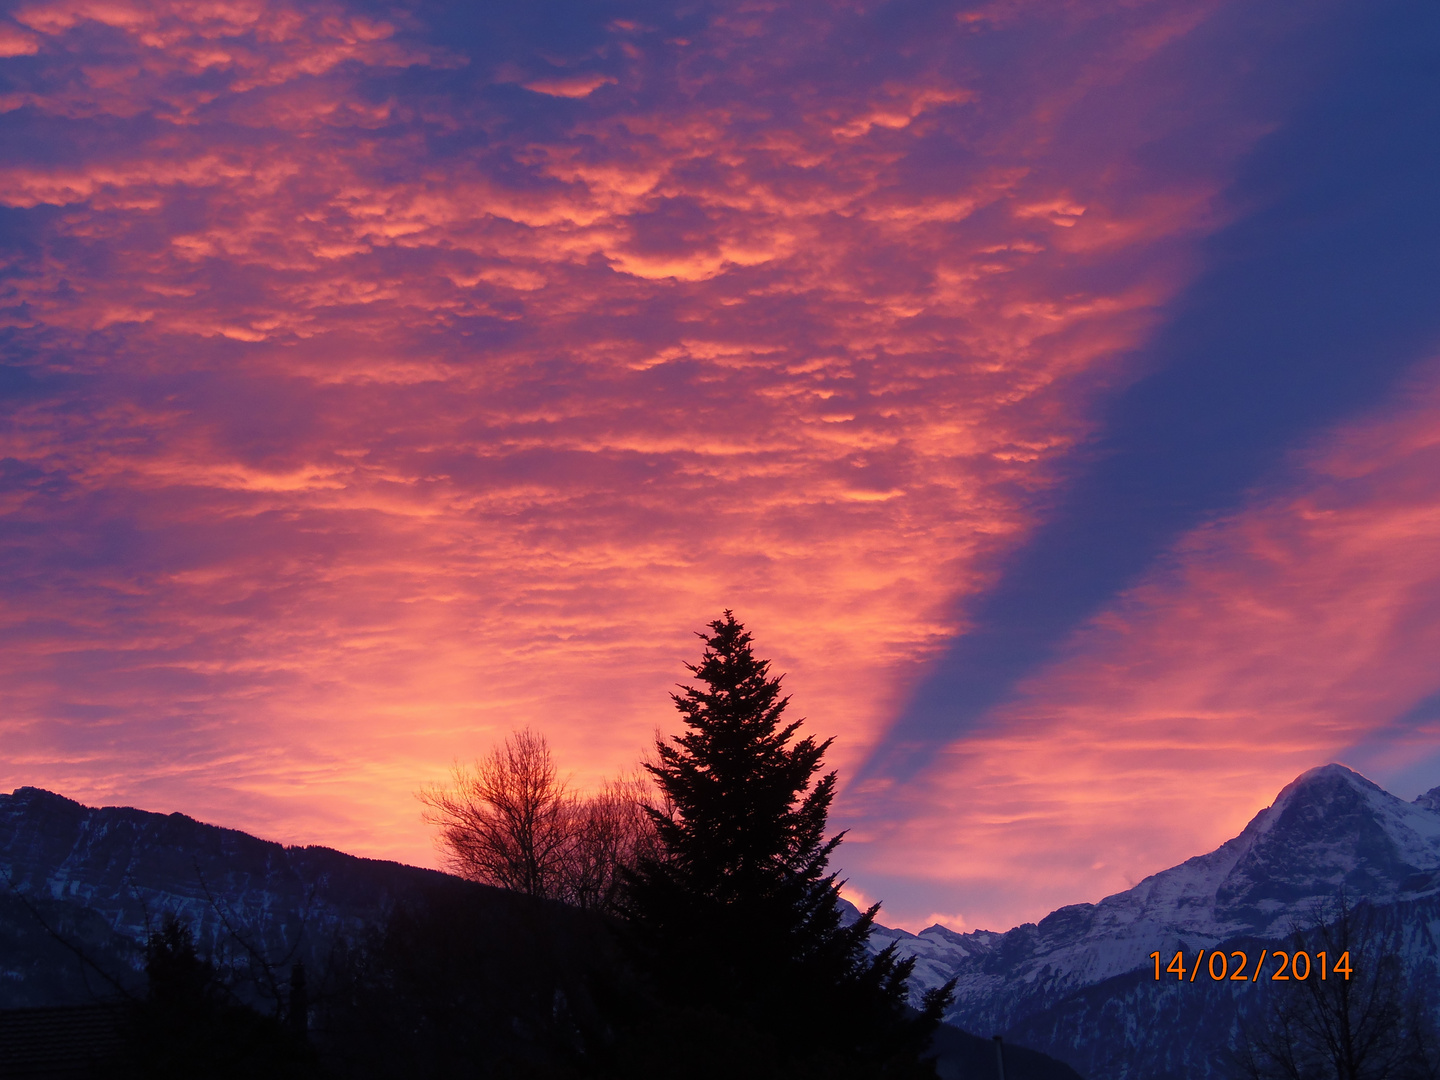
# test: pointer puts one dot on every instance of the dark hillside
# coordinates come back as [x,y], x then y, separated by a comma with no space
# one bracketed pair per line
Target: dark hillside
[962,1056]
[411,973]
[105,877]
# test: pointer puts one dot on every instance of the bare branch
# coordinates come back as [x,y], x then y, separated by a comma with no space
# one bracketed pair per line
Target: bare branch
[512,822]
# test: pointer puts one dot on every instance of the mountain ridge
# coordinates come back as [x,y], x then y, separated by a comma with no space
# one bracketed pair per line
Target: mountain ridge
[108,875]
[111,871]
[101,878]
[1329,831]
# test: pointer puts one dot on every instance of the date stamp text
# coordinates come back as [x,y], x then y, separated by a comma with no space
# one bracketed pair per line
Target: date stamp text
[1277,965]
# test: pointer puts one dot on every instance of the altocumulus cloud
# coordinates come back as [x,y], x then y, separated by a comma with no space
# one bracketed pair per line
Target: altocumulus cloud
[376,384]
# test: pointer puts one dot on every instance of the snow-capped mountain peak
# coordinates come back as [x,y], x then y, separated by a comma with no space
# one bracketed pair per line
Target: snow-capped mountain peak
[1329,831]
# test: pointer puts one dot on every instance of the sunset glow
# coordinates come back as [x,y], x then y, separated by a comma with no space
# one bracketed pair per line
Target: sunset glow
[375,382]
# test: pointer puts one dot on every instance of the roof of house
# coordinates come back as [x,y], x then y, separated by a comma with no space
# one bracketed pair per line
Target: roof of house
[60,1043]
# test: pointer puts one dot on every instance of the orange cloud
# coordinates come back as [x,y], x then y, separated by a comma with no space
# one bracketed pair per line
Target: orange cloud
[385,415]
[1274,639]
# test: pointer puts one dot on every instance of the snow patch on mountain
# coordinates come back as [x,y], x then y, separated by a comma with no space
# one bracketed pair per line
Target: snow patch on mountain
[1330,830]
[131,867]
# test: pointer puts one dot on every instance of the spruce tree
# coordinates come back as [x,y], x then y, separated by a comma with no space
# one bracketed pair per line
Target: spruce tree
[740,912]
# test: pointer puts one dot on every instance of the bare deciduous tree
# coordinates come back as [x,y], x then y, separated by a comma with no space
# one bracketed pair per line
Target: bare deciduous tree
[508,821]
[512,821]
[610,831]
[1375,1024]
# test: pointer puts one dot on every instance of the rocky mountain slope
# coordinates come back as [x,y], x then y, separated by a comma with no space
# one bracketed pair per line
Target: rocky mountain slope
[101,878]
[1330,830]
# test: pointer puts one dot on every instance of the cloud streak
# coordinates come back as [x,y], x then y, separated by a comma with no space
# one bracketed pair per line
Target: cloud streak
[1296,629]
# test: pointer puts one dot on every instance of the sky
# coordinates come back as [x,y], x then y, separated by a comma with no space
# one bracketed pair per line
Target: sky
[1052,388]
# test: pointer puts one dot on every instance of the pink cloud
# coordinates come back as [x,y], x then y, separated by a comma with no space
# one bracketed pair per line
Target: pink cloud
[569,86]
[381,438]
[15,42]
[1272,640]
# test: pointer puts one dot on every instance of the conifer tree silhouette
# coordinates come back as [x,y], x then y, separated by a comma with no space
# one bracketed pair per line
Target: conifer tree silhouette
[191,1025]
[739,910]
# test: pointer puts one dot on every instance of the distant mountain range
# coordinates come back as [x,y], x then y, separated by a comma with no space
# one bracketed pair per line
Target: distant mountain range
[100,879]
[81,888]
[1079,985]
